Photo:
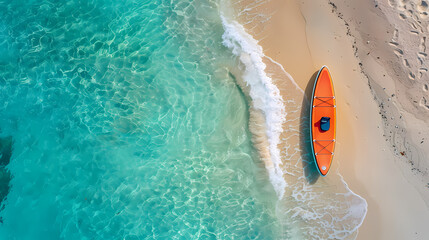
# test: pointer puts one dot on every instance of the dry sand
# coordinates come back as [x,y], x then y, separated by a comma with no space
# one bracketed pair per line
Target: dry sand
[376,54]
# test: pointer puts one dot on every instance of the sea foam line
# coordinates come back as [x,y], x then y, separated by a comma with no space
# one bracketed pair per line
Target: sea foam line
[360,197]
[265,95]
[286,73]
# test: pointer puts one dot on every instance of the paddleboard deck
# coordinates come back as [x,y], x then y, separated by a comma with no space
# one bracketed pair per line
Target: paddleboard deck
[323,121]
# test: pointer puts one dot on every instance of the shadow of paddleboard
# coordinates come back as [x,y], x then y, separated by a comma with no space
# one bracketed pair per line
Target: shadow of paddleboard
[310,169]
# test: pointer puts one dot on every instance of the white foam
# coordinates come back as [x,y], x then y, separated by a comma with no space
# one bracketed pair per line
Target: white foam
[265,95]
[356,209]
[286,73]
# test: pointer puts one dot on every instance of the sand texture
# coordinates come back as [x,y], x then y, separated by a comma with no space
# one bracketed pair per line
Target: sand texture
[376,52]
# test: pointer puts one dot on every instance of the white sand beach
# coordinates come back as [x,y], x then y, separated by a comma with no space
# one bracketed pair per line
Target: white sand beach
[376,52]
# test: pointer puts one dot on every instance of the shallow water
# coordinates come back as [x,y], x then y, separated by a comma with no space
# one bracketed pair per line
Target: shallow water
[126,124]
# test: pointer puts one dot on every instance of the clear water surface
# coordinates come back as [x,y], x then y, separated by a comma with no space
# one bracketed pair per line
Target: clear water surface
[125,124]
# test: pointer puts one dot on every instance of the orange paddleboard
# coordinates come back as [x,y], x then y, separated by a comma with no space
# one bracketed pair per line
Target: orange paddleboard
[323,121]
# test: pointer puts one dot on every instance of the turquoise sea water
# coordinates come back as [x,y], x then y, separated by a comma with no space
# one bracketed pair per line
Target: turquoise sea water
[125,123]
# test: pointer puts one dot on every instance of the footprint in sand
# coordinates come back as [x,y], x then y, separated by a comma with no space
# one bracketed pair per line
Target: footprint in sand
[395,35]
[405,62]
[411,76]
[412,9]
[425,87]
[422,71]
[417,26]
[401,5]
[393,44]
[424,103]
[414,32]
[422,46]
[398,52]
[422,8]
[398,4]
[421,56]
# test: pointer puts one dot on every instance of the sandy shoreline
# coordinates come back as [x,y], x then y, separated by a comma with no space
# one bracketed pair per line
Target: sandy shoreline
[381,129]
[397,189]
